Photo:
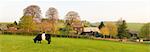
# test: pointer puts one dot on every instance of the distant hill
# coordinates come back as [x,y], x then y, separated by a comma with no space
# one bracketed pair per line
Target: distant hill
[131,26]
[135,26]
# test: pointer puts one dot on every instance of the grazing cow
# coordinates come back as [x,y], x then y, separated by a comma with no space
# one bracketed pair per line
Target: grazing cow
[41,37]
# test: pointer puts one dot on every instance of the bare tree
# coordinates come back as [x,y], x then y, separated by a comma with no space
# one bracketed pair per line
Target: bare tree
[72,22]
[34,11]
[72,15]
[52,14]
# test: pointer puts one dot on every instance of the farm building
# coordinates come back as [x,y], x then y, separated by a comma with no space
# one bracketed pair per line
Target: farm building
[133,33]
[3,26]
[91,31]
[78,27]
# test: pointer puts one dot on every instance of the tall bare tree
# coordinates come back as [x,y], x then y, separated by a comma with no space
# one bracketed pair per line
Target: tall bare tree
[72,16]
[52,14]
[72,19]
[34,11]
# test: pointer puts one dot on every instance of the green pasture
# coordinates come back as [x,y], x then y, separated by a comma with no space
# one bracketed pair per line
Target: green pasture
[19,43]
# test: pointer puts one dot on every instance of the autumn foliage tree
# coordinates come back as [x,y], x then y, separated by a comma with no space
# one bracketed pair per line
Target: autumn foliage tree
[112,28]
[108,29]
[104,31]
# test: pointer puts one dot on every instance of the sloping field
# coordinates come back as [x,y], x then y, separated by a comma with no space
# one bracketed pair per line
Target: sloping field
[16,43]
[135,26]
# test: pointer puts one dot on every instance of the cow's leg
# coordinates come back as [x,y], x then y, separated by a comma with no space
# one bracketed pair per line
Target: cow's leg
[34,40]
[48,41]
[48,38]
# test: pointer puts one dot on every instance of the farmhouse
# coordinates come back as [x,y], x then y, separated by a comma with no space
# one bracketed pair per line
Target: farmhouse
[91,31]
[3,26]
[78,27]
[133,33]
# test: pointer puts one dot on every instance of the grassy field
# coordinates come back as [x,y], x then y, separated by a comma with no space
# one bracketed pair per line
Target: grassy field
[18,43]
[135,26]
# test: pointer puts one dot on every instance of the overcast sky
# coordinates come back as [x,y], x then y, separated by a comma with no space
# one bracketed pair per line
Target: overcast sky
[93,11]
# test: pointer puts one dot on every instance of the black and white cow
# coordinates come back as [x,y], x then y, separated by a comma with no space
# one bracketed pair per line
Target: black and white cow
[41,37]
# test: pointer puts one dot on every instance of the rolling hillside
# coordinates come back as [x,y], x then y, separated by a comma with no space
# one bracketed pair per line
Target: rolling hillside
[135,26]
[132,26]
